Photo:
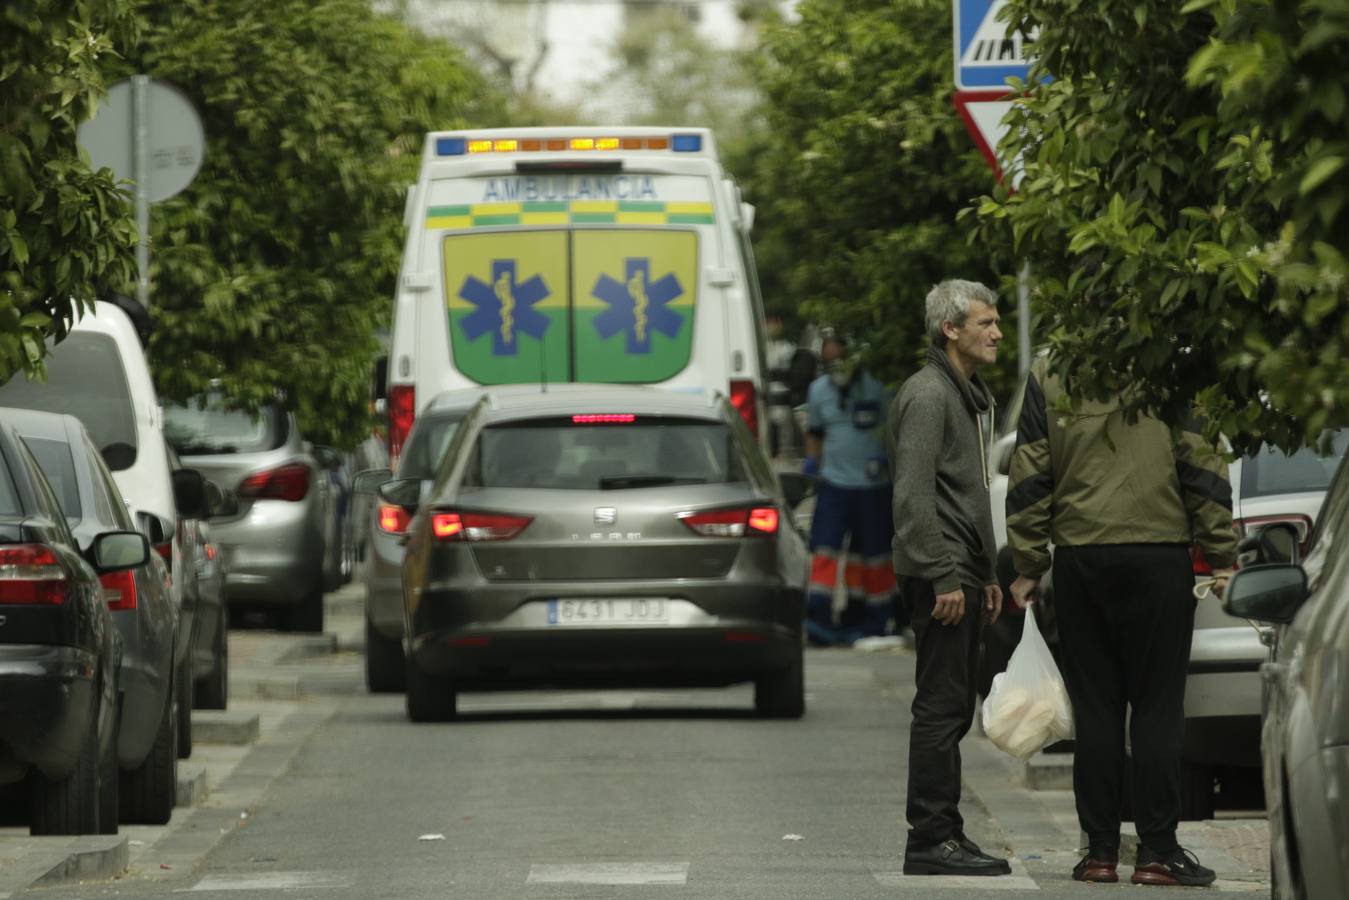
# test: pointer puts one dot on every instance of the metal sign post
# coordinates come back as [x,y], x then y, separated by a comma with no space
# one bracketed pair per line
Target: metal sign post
[147,132]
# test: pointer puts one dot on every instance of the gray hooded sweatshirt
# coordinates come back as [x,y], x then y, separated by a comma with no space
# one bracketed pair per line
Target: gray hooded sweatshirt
[939,457]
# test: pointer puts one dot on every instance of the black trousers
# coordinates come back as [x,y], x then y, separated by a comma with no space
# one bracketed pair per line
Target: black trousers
[1126,616]
[943,709]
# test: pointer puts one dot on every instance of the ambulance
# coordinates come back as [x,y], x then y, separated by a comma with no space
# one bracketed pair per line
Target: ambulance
[553,255]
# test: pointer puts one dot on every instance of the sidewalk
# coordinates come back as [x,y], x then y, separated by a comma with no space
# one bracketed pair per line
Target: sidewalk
[220,782]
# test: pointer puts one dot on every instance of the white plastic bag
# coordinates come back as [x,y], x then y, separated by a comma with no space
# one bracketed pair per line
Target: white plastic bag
[1027,707]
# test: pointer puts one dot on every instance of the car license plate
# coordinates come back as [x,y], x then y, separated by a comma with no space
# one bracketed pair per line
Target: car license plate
[609,611]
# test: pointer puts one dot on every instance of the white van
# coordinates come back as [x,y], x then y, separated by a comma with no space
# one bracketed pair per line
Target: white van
[616,255]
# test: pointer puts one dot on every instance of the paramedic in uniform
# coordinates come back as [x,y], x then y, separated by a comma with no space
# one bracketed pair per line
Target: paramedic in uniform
[845,446]
[1122,504]
[944,554]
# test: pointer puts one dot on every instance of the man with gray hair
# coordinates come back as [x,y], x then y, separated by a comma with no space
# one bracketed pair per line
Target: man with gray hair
[944,560]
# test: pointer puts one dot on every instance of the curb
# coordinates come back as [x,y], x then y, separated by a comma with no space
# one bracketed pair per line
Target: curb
[222,727]
[87,858]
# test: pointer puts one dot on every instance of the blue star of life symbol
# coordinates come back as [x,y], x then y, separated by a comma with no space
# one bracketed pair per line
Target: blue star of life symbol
[504,307]
[638,305]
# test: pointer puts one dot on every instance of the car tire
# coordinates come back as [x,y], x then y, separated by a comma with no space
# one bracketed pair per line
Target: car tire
[782,694]
[183,686]
[385,668]
[307,615]
[69,806]
[148,791]
[212,691]
[430,698]
[108,812]
[1196,791]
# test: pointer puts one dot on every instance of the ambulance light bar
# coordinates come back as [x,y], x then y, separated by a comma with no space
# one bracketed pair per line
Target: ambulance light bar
[459,146]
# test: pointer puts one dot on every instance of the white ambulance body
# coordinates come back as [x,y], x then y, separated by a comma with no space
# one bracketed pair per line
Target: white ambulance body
[599,255]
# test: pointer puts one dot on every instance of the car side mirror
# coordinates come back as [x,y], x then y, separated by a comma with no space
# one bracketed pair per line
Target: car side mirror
[220,502]
[404,492]
[1266,593]
[1277,543]
[119,456]
[796,487]
[189,494]
[368,481]
[114,551]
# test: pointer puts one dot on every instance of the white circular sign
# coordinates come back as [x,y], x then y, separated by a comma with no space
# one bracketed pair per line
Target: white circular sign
[175,141]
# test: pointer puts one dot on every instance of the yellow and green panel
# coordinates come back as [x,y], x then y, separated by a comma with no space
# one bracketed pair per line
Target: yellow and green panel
[571,212]
[593,306]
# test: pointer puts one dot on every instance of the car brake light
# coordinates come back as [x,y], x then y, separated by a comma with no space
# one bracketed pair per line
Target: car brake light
[746,402]
[1303,524]
[119,589]
[402,413]
[452,526]
[603,419]
[289,482]
[1199,562]
[31,573]
[394,519]
[745,522]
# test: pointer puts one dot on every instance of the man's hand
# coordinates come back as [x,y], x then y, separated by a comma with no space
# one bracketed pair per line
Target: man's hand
[992,603]
[1220,579]
[1025,590]
[950,607]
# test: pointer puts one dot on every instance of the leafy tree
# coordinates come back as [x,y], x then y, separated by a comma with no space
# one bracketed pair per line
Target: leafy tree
[273,270]
[863,168]
[1182,207]
[66,233]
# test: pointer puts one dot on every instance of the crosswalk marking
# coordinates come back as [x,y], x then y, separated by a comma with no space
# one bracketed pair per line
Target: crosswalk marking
[267,881]
[609,873]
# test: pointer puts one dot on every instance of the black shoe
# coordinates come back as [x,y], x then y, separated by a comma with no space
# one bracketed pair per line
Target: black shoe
[1098,866]
[950,858]
[1180,867]
[974,850]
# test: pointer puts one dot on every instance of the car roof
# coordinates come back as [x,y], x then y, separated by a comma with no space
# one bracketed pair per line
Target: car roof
[45,425]
[568,399]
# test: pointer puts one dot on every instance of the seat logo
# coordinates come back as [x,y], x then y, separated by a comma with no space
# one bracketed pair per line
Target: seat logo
[606,515]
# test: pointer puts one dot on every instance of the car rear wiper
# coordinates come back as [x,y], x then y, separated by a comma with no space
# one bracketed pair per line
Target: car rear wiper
[613,482]
[204,449]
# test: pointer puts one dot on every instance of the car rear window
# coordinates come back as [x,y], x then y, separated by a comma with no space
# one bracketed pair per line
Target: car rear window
[589,453]
[9,497]
[1271,471]
[59,467]
[207,426]
[85,378]
[427,445]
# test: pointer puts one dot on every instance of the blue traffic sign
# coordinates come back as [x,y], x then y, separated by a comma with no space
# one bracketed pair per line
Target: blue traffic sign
[985,54]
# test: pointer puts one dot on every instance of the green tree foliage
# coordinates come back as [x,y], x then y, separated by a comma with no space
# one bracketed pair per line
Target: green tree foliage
[273,270]
[1182,207]
[863,169]
[66,233]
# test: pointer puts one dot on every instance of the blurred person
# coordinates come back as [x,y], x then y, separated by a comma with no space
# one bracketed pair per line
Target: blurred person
[944,559]
[1122,503]
[845,447]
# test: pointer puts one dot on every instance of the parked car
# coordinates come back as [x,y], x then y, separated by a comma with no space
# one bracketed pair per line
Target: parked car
[1223,690]
[204,610]
[1305,733]
[60,653]
[278,546]
[99,374]
[382,571]
[142,609]
[601,536]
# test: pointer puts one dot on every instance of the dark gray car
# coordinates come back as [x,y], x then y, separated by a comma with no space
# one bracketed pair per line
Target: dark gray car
[596,536]
[382,569]
[143,610]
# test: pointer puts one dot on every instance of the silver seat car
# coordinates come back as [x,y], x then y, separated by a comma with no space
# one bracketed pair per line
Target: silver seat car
[275,546]
[382,571]
[593,536]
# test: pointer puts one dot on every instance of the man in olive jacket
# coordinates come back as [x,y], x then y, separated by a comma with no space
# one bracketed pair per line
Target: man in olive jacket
[944,555]
[1122,504]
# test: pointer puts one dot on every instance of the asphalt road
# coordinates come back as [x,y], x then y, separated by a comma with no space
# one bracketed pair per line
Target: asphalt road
[615,794]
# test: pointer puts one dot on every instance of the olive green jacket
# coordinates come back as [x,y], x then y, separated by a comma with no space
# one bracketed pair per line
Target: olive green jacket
[1090,478]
